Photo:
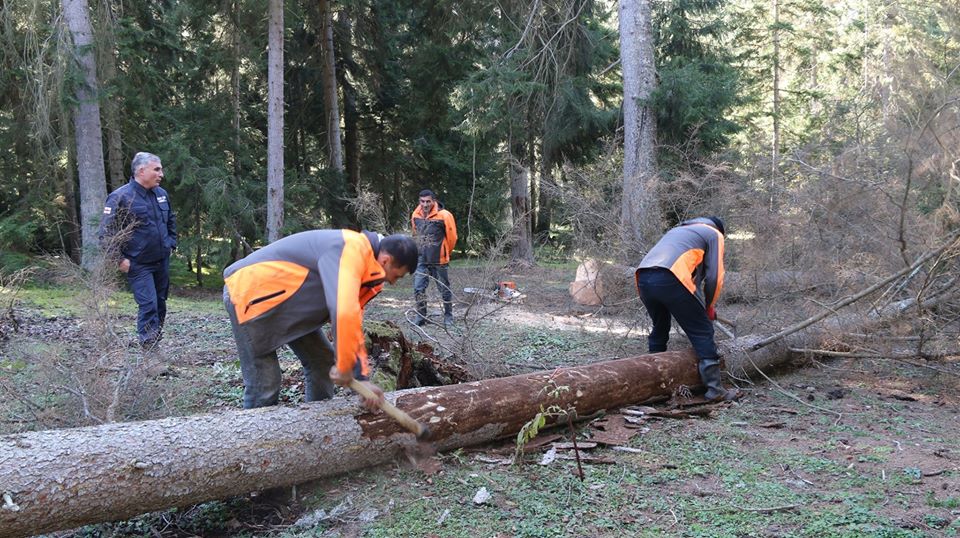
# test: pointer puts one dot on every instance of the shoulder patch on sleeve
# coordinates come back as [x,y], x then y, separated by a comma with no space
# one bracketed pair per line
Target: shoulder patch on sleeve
[107,210]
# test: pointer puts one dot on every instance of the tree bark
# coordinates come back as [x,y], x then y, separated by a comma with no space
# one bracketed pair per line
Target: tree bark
[93,188]
[330,102]
[73,246]
[275,122]
[544,201]
[639,218]
[775,149]
[522,251]
[62,479]
[111,108]
[235,89]
[351,116]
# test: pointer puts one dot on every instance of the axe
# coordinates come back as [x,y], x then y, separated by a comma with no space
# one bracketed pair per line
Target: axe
[421,431]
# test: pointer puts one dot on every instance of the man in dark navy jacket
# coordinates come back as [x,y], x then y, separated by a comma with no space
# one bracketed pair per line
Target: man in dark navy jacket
[139,230]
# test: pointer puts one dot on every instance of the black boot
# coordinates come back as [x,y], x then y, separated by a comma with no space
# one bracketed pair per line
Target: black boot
[448,314]
[421,309]
[710,375]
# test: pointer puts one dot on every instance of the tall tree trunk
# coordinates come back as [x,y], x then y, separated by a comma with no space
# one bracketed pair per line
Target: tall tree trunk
[275,122]
[544,202]
[522,252]
[330,101]
[885,79]
[775,152]
[351,117]
[111,108]
[93,189]
[536,177]
[73,229]
[639,212]
[65,478]
[198,226]
[235,93]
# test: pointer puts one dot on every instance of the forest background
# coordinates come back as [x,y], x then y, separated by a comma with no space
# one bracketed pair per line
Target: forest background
[783,116]
[824,133]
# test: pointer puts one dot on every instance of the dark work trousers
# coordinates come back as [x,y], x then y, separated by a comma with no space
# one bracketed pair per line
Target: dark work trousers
[432,271]
[663,295]
[261,373]
[150,283]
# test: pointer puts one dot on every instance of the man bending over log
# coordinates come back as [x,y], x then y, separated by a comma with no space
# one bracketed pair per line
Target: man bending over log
[669,282]
[283,294]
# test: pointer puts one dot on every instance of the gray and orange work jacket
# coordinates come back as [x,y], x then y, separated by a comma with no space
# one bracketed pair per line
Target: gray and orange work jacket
[693,252]
[436,234]
[292,286]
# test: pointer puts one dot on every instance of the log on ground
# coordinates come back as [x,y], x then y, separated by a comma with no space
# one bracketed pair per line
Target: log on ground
[60,479]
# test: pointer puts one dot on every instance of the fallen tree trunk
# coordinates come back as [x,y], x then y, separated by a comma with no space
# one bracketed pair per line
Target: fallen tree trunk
[61,479]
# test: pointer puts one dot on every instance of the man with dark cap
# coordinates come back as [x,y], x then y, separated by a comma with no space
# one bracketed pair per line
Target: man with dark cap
[669,280]
[436,232]
[285,292]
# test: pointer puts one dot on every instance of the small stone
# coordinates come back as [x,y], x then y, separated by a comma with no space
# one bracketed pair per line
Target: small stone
[481,496]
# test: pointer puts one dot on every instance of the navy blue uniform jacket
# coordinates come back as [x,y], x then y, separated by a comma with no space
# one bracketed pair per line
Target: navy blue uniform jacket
[154,234]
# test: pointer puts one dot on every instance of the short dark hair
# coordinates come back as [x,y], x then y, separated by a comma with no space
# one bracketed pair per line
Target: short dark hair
[718,224]
[403,249]
[428,192]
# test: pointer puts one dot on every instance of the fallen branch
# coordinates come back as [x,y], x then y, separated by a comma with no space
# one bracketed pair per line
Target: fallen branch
[856,297]
[904,358]
[789,394]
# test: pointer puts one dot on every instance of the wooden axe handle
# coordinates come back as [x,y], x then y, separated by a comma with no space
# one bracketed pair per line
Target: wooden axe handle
[727,322]
[404,419]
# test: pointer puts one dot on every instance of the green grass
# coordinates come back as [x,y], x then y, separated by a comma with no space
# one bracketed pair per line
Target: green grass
[58,301]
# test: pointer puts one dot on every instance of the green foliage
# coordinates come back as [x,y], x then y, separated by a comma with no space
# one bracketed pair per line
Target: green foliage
[950,502]
[446,95]
[16,232]
[692,101]
[532,427]
[529,431]
[698,84]
[11,261]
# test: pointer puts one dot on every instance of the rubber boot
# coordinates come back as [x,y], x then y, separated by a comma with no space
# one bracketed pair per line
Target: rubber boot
[448,314]
[710,375]
[421,299]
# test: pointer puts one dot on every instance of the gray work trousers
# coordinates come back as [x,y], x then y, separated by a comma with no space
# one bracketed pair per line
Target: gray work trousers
[261,373]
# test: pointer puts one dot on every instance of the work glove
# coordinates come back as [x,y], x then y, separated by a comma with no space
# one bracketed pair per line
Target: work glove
[711,313]
[344,379]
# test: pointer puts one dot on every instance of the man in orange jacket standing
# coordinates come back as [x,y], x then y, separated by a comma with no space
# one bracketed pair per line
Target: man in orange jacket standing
[436,234]
[283,294]
[669,281]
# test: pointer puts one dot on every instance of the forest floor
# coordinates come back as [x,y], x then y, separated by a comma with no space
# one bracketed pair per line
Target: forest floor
[843,447]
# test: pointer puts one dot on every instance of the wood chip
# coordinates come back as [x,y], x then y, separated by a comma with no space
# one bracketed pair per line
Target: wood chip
[538,443]
[642,409]
[585,458]
[498,461]
[581,445]
[772,425]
